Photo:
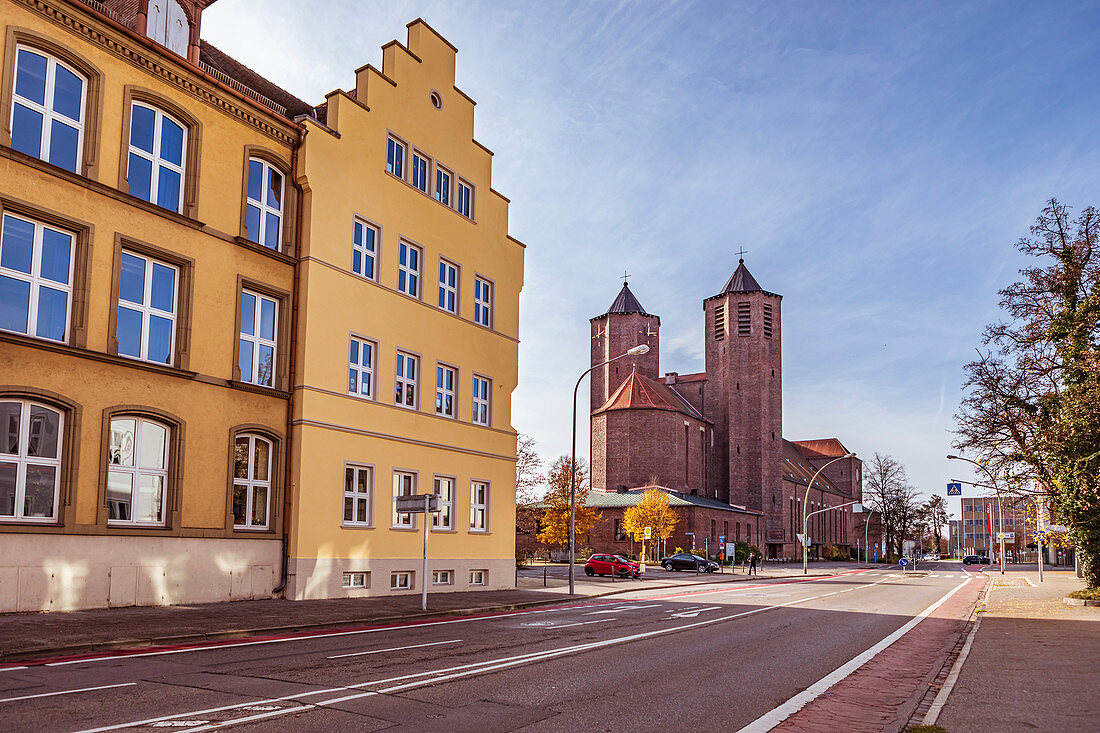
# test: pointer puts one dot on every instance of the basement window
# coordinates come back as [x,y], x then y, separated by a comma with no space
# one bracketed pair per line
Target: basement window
[355,580]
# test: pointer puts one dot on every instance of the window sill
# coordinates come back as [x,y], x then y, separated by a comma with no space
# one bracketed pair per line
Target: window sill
[356,526]
[264,250]
[137,526]
[444,531]
[258,389]
[16,522]
[431,197]
[479,531]
[253,530]
[35,342]
[404,529]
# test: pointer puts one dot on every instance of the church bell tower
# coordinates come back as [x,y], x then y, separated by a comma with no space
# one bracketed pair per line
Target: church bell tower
[624,326]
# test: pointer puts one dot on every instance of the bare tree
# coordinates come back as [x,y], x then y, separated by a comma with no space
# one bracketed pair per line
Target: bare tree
[529,477]
[883,479]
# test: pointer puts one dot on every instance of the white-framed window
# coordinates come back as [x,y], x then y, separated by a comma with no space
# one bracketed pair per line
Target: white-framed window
[444,488]
[420,167]
[479,506]
[47,112]
[364,249]
[361,368]
[405,381]
[478,577]
[442,186]
[354,580]
[401,581]
[358,487]
[482,390]
[264,209]
[465,203]
[137,471]
[395,157]
[445,378]
[36,276]
[448,286]
[483,302]
[442,577]
[155,169]
[145,325]
[404,484]
[251,482]
[259,326]
[30,460]
[408,269]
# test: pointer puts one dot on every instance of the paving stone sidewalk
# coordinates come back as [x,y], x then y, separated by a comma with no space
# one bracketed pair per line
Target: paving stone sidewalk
[1034,663]
[26,636]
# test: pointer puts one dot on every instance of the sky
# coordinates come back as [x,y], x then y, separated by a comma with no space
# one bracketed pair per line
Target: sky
[877,161]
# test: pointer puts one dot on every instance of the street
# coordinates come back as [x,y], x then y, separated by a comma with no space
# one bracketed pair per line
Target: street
[672,659]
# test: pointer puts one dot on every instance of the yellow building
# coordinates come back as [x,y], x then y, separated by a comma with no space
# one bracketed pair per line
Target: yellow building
[128,247]
[173,426]
[409,310]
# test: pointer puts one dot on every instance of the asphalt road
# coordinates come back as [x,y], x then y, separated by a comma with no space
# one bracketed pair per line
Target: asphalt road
[703,657]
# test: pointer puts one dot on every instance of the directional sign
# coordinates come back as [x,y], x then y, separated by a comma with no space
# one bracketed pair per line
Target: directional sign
[903,562]
[954,489]
[1006,535]
[804,539]
[731,549]
[414,504]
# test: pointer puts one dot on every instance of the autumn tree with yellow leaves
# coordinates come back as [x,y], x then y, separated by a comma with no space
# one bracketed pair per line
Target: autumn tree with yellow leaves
[652,511]
[555,515]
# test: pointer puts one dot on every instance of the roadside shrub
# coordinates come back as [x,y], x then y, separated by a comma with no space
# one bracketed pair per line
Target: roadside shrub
[1086,594]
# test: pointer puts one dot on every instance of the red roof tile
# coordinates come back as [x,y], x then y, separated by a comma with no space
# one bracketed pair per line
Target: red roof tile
[641,393]
[822,448]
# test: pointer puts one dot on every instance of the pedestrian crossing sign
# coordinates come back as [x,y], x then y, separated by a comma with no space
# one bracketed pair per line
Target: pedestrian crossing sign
[954,489]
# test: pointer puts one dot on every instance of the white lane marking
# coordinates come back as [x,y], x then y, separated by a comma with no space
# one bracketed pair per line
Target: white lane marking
[692,613]
[433,677]
[394,649]
[580,623]
[1028,581]
[10,669]
[621,608]
[771,719]
[465,619]
[66,692]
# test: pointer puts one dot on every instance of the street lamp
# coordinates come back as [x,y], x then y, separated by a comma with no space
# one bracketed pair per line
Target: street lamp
[863,508]
[636,351]
[1000,506]
[805,506]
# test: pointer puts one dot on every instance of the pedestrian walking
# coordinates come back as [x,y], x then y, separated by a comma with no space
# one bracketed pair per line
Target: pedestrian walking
[752,564]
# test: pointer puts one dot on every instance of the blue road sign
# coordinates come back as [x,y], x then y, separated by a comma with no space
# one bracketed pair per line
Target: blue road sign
[903,562]
[954,489]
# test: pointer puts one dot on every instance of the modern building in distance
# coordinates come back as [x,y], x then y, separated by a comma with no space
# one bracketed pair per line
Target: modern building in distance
[717,434]
[179,425]
[409,307]
[975,535]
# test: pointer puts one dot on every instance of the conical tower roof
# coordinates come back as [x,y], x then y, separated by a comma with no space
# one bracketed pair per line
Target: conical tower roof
[741,281]
[625,302]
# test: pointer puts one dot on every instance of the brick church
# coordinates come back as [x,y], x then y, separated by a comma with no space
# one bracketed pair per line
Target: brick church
[715,437]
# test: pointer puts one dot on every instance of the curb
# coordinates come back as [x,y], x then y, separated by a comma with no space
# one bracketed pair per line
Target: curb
[25,655]
[1081,602]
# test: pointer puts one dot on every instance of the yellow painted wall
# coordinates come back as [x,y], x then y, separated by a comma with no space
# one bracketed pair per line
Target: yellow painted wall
[346,176]
[208,409]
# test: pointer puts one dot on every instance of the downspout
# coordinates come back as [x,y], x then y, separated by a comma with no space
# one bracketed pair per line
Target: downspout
[288,473]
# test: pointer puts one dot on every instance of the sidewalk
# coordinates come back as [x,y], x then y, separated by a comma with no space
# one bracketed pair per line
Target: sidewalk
[1034,661]
[26,636]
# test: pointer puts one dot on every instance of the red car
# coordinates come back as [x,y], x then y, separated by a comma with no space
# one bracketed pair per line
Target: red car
[612,565]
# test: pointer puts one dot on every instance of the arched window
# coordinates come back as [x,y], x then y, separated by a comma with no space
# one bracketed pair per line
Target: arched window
[48,102]
[251,482]
[166,24]
[137,471]
[30,460]
[264,208]
[155,170]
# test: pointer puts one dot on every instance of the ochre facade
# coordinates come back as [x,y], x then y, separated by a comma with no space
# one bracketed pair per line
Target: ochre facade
[175,421]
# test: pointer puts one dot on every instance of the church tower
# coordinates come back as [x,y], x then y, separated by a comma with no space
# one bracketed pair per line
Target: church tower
[624,326]
[744,392]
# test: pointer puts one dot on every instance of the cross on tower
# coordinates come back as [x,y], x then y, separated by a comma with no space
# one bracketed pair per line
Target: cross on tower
[625,276]
[741,254]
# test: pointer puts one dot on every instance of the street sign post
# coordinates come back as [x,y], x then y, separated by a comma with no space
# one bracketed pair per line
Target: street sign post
[954,489]
[904,562]
[1006,535]
[804,539]
[420,504]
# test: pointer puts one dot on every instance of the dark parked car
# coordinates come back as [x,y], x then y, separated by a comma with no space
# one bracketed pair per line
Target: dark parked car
[975,560]
[688,561]
[612,565]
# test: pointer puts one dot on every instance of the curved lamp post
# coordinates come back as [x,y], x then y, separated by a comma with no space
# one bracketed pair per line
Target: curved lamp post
[1000,506]
[636,351]
[805,506]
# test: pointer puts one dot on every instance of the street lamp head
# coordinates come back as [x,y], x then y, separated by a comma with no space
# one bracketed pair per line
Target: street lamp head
[638,350]
[954,458]
[850,455]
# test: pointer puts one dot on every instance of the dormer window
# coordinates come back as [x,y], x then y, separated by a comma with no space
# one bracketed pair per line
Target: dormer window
[167,24]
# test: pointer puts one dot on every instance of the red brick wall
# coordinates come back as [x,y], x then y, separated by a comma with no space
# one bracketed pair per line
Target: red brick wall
[622,332]
[633,447]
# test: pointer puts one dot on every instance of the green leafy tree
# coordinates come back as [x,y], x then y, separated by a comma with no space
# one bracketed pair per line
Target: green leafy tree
[1032,410]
